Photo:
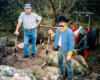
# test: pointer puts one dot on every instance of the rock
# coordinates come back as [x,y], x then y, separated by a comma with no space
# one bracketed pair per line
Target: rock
[95,76]
[10,51]
[47,73]
[79,64]
[3,39]
[21,45]
[15,78]
[10,73]
[7,41]
[53,59]
[75,52]
[3,51]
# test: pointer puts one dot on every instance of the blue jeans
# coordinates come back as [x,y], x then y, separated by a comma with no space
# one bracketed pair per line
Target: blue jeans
[61,57]
[27,36]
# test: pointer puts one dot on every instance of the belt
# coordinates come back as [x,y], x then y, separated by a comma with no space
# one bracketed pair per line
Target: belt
[31,29]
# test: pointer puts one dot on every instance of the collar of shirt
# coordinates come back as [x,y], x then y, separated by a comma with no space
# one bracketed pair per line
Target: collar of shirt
[63,29]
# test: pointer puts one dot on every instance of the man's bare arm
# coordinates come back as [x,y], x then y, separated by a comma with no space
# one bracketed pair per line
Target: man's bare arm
[39,22]
[17,28]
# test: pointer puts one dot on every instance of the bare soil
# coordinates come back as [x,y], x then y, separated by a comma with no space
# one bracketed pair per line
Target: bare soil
[27,63]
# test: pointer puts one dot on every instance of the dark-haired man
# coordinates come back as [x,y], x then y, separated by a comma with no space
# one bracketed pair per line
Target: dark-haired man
[64,40]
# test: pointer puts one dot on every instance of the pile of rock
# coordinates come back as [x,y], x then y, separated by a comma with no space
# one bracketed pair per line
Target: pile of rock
[78,62]
[7,41]
[48,73]
[3,51]
[52,72]
[6,46]
[10,73]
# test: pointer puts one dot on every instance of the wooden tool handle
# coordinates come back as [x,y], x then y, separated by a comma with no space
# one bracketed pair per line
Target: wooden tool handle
[48,42]
[16,42]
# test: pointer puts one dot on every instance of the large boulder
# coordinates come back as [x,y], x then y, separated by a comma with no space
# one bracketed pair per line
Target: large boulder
[7,41]
[10,73]
[79,64]
[48,73]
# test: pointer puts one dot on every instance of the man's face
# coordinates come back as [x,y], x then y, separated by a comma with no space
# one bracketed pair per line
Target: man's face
[62,25]
[27,10]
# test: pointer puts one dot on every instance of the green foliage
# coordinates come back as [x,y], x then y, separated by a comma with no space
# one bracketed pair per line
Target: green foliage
[14,14]
[92,24]
[21,29]
[11,29]
[72,16]
[1,35]
[9,15]
[13,8]
[44,12]
[57,2]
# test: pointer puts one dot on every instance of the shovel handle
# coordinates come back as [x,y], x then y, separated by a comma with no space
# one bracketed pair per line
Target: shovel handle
[16,41]
[48,42]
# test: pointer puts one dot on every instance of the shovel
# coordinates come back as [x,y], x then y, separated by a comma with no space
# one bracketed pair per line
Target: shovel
[14,54]
[47,45]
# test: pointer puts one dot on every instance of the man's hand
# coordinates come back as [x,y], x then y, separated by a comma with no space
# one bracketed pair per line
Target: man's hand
[68,57]
[50,32]
[16,33]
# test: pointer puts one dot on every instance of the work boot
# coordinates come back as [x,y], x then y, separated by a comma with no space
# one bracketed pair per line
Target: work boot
[33,55]
[25,56]
[64,77]
[69,79]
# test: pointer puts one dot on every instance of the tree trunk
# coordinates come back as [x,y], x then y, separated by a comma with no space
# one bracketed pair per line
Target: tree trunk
[56,19]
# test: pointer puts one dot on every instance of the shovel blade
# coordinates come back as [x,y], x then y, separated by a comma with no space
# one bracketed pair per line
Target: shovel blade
[13,56]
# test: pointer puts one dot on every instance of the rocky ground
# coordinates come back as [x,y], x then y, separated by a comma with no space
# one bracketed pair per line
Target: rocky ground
[45,67]
[35,64]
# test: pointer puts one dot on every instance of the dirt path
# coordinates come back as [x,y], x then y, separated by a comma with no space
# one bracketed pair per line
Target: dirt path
[27,63]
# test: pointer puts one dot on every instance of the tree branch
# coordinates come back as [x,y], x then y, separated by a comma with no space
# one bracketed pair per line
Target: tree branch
[54,9]
[71,6]
[62,9]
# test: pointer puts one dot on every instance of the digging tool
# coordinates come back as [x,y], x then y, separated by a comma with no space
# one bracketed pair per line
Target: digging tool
[14,54]
[48,44]
[43,64]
